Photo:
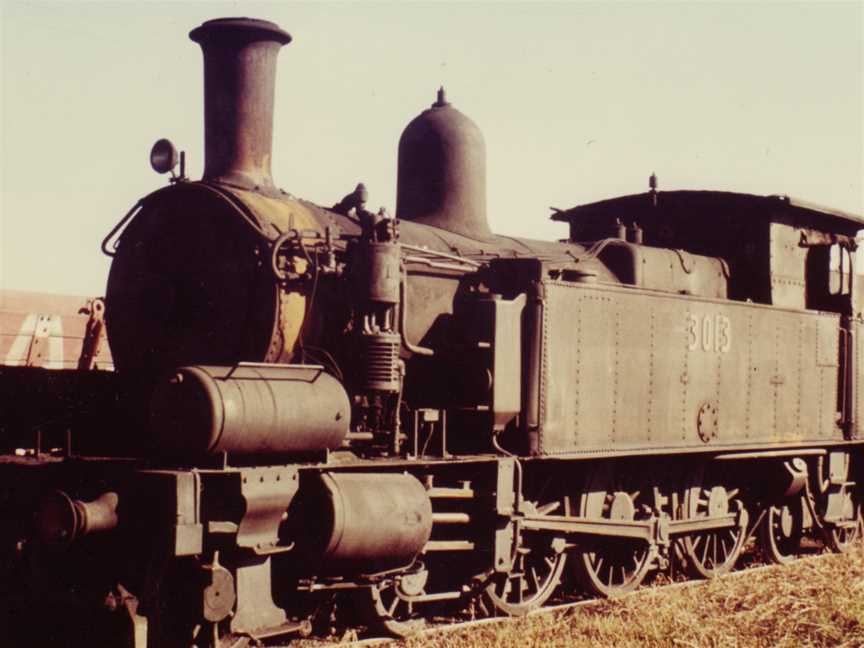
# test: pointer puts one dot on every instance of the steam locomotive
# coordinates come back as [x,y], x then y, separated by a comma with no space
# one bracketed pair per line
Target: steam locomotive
[319,411]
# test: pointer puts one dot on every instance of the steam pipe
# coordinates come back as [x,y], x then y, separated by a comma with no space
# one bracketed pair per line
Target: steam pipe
[403,321]
[532,378]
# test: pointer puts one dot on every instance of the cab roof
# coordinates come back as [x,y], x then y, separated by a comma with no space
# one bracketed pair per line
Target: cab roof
[774,207]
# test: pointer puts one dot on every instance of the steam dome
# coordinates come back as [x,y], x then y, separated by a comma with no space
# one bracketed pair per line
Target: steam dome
[442,172]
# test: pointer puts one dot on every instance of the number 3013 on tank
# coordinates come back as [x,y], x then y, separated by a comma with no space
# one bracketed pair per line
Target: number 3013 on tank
[709,333]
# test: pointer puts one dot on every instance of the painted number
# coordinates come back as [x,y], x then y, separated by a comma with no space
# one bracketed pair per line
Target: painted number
[709,333]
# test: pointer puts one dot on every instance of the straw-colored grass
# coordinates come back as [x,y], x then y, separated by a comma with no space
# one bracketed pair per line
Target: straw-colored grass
[809,603]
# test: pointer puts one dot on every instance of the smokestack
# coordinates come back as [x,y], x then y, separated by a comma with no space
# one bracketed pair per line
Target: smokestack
[239,84]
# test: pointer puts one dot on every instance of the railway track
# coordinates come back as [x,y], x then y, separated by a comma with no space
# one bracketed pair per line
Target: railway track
[752,566]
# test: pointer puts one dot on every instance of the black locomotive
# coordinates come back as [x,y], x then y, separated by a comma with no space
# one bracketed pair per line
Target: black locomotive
[321,409]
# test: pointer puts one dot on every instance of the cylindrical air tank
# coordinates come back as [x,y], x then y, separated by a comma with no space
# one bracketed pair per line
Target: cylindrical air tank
[249,409]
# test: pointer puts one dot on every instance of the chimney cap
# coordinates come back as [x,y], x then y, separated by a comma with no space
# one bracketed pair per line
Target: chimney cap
[247,28]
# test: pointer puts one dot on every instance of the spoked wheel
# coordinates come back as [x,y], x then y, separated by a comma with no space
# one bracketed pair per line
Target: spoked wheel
[840,537]
[839,503]
[537,566]
[615,566]
[388,605]
[712,553]
[781,531]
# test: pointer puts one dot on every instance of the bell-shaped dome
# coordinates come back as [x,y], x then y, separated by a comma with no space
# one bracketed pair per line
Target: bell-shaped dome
[442,172]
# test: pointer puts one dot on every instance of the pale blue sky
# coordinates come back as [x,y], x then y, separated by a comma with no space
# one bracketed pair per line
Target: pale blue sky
[577,101]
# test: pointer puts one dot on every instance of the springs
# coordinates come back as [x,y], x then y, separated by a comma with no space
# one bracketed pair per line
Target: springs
[379,362]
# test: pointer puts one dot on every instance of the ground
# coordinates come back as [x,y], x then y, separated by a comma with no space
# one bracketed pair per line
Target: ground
[814,602]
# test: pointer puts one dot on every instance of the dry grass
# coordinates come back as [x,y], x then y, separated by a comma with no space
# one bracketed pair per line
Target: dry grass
[809,603]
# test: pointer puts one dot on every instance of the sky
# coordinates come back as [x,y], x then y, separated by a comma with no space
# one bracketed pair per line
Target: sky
[577,102]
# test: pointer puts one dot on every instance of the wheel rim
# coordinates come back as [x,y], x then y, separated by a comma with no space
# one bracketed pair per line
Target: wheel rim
[614,570]
[535,575]
[713,553]
[613,567]
[780,533]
